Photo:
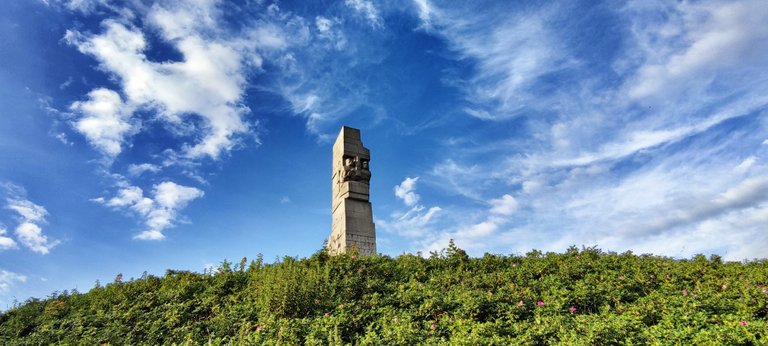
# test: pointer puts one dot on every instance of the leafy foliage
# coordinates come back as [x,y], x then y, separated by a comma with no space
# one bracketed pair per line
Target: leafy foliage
[578,297]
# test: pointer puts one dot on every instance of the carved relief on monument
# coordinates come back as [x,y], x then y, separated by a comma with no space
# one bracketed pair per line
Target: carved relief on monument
[355,169]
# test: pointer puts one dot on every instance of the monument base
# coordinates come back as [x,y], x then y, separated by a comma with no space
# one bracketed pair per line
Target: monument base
[353,228]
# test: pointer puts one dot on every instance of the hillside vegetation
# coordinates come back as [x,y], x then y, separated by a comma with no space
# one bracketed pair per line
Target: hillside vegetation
[579,297]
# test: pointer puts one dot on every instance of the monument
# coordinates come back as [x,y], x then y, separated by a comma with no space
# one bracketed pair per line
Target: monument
[352,226]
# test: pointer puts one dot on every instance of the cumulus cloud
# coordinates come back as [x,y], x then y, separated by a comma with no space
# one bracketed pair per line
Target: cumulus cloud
[406,191]
[206,84]
[415,222]
[104,121]
[31,236]
[506,205]
[8,278]
[126,197]
[6,242]
[160,211]
[30,216]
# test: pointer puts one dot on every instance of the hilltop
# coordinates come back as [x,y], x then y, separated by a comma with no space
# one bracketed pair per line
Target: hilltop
[584,296]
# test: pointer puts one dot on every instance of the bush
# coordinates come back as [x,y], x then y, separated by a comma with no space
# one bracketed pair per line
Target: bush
[578,297]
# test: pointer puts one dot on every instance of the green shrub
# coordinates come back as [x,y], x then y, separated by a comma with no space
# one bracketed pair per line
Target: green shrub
[583,296]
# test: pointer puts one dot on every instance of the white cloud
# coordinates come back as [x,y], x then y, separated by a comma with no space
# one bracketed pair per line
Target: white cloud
[138,169]
[6,242]
[125,197]
[714,36]
[425,12]
[673,168]
[31,236]
[104,121]
[631,142]
[368,9]
[459,178]
[62,137]
[406,191]
[512,50]
[159,212]
[8,278]
[746,164]
[478,235]
[172,196]
[323,24]
[327,30]
[415,222]
[27,210]
[31,216]
[85,6]
[506,205]
[207,84]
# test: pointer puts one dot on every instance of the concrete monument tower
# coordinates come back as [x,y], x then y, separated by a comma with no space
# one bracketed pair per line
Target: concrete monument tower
[352,215]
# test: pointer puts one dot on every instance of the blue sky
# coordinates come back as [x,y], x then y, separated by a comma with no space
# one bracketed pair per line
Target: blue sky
[176,134]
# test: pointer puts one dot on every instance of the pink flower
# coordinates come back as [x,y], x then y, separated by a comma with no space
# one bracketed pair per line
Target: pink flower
[326,314]
[520,303]
[540,303]
[354,256]
[359,270]
[572,309]
[432,326]
[259,328]
[621,277]
[685,292]
[743,323]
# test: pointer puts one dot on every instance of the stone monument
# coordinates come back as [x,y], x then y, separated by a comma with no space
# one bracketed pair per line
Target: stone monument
[352,226]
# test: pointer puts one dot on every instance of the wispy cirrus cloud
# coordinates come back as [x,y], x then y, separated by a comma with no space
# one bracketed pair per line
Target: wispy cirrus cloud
[368,9]
[8,278]
[512,50]
[639,163]
[722,37]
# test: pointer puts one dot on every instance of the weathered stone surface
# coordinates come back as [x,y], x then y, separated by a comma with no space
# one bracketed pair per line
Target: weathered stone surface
[352,225]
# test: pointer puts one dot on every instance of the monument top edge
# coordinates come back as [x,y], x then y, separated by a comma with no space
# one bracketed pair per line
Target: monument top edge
[349,132]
